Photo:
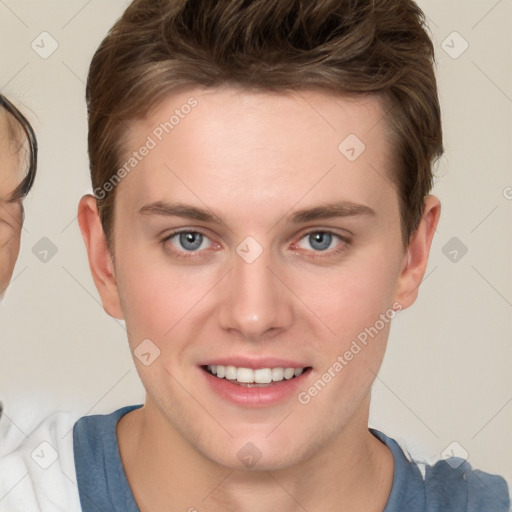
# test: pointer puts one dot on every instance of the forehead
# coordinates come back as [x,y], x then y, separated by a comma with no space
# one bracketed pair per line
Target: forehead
[10,165]
[259,148]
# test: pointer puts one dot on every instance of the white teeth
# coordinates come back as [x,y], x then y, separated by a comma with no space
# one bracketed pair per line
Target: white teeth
[245,375]
[277,373]
[250,376]
[230,372]
[289,373]
[262,376]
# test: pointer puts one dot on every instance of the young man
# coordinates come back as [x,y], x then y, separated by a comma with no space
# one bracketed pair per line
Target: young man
[261,173]
[18,149]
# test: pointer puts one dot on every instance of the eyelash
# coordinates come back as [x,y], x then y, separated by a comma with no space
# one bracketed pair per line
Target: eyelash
[345,243]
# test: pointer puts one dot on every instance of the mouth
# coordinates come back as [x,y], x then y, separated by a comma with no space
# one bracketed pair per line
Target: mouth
[255,377]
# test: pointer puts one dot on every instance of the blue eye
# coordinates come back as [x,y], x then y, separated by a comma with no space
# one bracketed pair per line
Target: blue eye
[187,241]
[320,240]
[323,243]
[195,244]
[191,241]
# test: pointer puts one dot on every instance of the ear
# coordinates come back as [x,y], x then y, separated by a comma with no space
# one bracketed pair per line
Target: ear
[415,258]
[100,260]
[11,220]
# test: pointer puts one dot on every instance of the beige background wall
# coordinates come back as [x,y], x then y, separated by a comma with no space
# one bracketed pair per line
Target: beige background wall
[446,377]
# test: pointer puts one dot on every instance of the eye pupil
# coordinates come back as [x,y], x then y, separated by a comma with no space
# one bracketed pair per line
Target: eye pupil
[320,240]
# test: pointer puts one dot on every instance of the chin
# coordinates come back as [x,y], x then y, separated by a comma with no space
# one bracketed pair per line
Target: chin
[259,453]
[250,458]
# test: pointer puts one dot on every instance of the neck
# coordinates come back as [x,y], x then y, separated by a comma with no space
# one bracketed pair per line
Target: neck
[352,472]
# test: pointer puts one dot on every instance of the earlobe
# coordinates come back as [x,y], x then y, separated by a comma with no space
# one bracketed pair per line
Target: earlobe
[100,260]
[415,259]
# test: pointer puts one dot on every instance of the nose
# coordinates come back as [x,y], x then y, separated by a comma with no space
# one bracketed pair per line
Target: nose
[256,304]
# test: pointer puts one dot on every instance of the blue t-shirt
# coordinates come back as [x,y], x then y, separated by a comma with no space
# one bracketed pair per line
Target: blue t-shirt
[448,486]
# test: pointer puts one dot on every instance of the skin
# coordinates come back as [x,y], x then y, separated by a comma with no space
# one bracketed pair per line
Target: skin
[11,213]
[254,159]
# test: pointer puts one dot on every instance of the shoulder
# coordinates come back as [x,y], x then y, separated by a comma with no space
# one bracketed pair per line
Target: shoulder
[95,433]
[454,481]
[37,464]
[102,482]
[452,484]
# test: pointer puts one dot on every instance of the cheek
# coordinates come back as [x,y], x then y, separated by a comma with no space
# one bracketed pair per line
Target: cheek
[351,297]
[9,249]
[356,304]
[156,298]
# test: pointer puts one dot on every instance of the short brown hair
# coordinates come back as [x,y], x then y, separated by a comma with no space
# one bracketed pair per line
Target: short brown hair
[348,47]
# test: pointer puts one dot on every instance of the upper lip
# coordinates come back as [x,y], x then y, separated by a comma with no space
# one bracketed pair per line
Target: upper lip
[254,363]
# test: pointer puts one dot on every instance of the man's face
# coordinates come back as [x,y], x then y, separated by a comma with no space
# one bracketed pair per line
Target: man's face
[10,212]
[259,285]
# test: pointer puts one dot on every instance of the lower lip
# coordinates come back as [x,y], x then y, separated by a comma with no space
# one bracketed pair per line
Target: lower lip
[256,396]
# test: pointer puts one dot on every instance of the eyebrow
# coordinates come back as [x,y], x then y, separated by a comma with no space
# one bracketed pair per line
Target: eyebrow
[323,212]
[164,209]
[331,211]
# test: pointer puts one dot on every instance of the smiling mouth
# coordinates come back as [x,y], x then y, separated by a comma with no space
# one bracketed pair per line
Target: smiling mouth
[259,377]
